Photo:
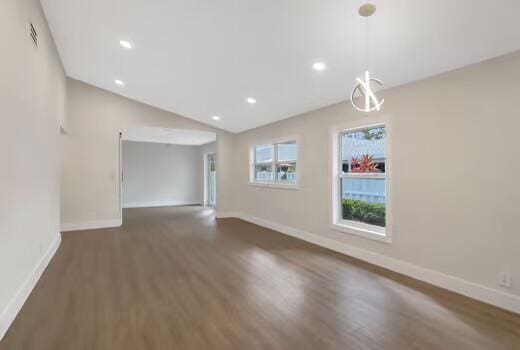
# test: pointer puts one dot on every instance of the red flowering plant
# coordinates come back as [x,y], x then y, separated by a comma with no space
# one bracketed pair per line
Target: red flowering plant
[364,164]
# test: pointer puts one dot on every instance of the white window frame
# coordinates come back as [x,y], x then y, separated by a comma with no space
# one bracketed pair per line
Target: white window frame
[275,183]
[382,234]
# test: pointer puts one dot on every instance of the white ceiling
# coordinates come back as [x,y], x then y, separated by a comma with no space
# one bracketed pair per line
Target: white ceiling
[172,136]
[200,58]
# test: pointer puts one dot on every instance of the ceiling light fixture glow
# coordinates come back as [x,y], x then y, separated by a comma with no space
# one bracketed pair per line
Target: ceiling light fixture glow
[119,82]
[126,44]
[319,66]
[251,100]
[215,117]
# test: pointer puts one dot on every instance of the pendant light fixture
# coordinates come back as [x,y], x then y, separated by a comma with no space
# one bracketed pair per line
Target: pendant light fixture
[363,87]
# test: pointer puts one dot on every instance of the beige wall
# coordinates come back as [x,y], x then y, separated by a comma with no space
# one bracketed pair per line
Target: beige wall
[90,172]
[456,161]
[32,95]
[226,173]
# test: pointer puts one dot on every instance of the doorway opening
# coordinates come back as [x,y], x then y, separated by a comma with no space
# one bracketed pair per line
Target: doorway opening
[211,180]
[162,167]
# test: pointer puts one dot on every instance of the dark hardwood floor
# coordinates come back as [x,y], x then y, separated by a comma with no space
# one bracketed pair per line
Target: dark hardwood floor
[175,278]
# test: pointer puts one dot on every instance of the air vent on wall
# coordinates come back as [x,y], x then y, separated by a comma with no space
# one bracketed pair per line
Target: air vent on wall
[33,33]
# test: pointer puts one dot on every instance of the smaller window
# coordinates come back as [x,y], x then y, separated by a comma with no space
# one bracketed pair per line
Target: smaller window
[275,163]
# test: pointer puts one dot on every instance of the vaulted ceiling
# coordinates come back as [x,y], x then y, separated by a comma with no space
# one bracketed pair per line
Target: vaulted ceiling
[201,58]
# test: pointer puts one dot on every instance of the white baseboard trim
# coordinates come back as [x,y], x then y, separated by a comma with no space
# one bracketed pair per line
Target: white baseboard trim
[90,225]
[15,305]
[227,214]
[151,204]
[472,290]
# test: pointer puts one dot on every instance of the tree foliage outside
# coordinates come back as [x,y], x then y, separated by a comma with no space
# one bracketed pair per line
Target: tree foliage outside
[368,134]
[366,212]
[374,134]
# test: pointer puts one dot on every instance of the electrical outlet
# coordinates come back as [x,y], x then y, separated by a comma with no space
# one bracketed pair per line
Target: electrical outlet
[505,279]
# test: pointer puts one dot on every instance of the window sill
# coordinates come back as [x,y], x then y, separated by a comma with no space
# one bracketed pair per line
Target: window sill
[280,186]
[376,234]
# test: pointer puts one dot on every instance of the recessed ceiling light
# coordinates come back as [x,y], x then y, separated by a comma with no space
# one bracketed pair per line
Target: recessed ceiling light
[119,82]
[215,117]
[126,44]
[319,66]
[251,100]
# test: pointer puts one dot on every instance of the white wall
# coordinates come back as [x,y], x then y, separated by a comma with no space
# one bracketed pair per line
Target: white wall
[208,148]
[456,190]
[90,172]
[32,95]
[158,174]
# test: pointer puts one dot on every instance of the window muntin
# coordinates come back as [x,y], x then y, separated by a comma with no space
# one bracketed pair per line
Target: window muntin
[276,163]
[362,178]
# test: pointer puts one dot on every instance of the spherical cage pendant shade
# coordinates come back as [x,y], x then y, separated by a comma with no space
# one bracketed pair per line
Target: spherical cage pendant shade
[364,90]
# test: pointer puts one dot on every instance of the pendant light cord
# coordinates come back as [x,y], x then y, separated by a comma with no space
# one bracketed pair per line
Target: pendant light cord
[366,45]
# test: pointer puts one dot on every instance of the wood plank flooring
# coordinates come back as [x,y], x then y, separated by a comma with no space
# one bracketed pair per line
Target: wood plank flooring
[176,278]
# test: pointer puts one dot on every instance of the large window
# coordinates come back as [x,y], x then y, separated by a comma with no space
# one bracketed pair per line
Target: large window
[362,180]
[275,163]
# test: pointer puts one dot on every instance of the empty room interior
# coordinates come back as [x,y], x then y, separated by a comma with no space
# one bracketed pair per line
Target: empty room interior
[167,167]
[259,174]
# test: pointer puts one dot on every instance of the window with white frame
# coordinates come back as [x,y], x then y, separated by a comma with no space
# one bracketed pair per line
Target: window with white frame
[362,179]
[275,163]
